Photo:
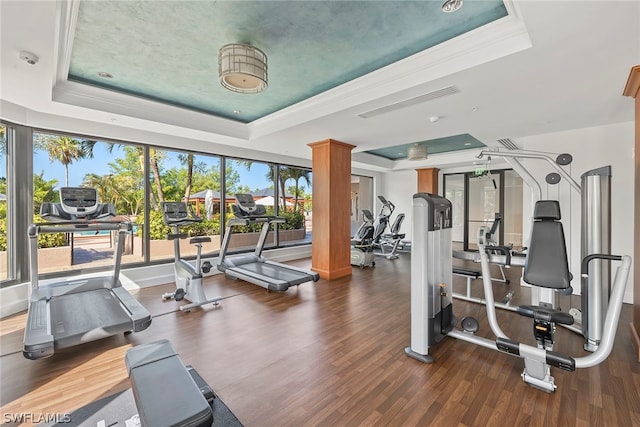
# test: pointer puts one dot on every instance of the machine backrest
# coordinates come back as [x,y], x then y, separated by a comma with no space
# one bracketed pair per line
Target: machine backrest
[546,264]
[395,228]
[496,223]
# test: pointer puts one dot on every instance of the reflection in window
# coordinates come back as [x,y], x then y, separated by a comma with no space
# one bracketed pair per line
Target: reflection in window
[361,199]
[512,222]
[454,192]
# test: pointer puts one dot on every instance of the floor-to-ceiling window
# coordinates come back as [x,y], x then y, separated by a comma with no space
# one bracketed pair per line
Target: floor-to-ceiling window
[512,221]
[113,169]
[258,179]
[177,176]
[477,197]
[484,202]
[135,178]
[295,205]
[4,261]
[454,192]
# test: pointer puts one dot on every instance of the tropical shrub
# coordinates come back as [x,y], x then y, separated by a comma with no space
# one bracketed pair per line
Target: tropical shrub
[50,240]
[295,220]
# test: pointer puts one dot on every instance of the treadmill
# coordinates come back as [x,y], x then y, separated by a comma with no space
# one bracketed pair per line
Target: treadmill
[255,268]
[75,311]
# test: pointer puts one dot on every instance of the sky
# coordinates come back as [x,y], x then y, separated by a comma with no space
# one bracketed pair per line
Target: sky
[99,165]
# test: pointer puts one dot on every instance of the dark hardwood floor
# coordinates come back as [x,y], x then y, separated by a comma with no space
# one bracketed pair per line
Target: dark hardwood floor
[331,354]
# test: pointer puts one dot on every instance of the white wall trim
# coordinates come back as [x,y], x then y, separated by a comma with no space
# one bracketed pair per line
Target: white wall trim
[13,299]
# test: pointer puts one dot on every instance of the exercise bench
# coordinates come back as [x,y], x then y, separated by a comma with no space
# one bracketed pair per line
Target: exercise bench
[167,393]
[472,275]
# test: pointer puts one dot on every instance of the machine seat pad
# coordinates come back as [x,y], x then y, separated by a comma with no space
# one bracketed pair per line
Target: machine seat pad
[200,239]
[467,272]
[164,391]
[545,313]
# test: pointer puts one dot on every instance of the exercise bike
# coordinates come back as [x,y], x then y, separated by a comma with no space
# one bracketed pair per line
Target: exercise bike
[188,278]
[362,243]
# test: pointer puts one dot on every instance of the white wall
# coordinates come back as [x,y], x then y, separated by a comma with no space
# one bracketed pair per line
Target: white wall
[591,148]
[399,188]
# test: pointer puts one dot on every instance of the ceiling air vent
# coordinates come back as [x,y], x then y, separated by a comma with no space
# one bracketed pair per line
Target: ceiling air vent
[449,90]
[508,144]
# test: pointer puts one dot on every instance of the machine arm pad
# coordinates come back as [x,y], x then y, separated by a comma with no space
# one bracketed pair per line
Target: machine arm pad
[546,314]
[164,390]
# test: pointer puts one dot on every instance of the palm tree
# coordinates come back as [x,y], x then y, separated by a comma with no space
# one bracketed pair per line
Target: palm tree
[154,157]
[64,149]
[298,174]
[103,185]
[283,176]
[188,159]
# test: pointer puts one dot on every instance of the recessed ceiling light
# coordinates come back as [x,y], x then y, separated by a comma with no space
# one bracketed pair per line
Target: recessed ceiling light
[105,75]
[467,143]
[237,112]
[451,5]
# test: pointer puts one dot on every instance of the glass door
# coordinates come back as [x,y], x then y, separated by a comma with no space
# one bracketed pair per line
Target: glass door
[483,202]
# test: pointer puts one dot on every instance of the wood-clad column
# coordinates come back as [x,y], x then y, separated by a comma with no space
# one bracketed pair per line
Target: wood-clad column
[633,89]
[330,242]
[428,180]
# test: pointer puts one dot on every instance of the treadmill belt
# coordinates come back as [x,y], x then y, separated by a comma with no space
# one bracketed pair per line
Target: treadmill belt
[85,316]
[276,273]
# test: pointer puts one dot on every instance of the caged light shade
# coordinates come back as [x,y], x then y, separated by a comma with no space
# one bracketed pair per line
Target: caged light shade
[417,152]
[242,68]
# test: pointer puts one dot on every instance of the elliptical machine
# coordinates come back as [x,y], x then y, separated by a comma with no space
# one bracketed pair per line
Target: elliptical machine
[362,242]
[382,220]
[188,278]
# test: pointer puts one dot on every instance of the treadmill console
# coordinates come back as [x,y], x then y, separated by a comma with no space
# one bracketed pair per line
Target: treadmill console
[77,204]
[79,201]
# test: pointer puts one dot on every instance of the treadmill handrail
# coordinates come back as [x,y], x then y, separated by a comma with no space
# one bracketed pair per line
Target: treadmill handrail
[257,219]
[182,222]
[78,226]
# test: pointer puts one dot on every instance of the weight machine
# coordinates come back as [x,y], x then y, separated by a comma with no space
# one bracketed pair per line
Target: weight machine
[432,317]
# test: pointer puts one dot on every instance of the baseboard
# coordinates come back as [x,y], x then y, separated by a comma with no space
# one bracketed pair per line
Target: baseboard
[333,274]
[13,299]
[636,339]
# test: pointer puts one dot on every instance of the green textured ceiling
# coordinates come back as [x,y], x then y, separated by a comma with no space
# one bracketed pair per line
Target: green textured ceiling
[434,146]
[167,50]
